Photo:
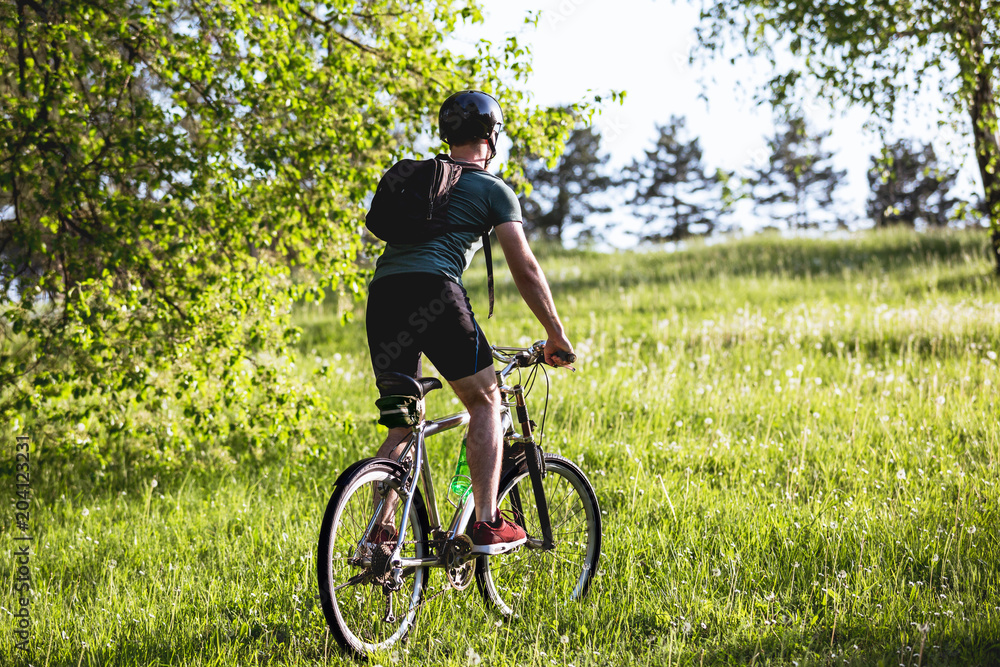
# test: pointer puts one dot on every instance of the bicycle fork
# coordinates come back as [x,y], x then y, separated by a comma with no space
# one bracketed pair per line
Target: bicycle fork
[536,471]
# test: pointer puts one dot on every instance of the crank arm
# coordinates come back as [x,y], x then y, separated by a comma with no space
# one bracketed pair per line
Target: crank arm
[354,581]
[538,543]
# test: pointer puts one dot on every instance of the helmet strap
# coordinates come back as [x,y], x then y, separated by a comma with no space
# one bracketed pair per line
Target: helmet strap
[493,149]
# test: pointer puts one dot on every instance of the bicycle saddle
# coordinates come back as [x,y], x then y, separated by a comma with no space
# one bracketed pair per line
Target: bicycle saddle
[399,384]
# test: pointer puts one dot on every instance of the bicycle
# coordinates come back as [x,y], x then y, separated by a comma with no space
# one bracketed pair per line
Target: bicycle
[371,591]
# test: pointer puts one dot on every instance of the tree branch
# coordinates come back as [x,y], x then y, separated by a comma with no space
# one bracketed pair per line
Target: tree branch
[37,8]
[163,295]
[328,24]
[80,231]
[370,16]
[357,44]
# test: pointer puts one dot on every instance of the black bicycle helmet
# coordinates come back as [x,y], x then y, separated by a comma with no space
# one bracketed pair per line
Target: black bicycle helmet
[469,115]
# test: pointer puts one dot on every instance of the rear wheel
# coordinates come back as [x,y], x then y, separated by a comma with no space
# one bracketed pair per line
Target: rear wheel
[531,575]
[354,578]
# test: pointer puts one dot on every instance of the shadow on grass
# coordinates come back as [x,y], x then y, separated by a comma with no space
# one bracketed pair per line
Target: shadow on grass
[858,645]
[254,644]
[874,255]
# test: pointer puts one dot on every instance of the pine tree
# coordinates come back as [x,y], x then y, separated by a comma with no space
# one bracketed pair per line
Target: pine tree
[673,192]
[562,197]
[908,185]
[799,177]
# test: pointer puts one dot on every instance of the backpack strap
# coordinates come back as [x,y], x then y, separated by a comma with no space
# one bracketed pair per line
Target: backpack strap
[487,249]
[488,256]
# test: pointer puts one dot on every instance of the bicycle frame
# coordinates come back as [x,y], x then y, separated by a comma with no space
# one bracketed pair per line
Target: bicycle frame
[418,467]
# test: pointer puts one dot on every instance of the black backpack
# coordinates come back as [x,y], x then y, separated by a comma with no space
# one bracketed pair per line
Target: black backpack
[411,205]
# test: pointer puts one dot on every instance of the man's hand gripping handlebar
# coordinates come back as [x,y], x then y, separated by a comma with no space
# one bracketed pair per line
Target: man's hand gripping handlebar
[559,352]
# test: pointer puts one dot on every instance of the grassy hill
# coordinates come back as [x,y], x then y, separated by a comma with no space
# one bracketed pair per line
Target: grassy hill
[795,443]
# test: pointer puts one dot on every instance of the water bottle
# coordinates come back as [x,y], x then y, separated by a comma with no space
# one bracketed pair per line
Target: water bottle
[461,483]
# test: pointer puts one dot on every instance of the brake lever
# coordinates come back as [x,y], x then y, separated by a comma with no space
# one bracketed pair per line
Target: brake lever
[568,357]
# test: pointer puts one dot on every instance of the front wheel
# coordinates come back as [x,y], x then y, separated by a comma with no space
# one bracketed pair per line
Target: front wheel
[364,615]
[532,575]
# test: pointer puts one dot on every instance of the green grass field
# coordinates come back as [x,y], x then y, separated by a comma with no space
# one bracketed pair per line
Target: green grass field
[795,444]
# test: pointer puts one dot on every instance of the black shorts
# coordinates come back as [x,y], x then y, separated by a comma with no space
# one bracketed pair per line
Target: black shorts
[414,313]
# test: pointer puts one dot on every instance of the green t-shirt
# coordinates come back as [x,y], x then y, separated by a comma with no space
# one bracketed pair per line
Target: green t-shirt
[478,197]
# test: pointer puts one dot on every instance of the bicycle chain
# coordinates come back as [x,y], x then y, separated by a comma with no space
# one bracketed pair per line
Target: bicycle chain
[434,544]
[513,456]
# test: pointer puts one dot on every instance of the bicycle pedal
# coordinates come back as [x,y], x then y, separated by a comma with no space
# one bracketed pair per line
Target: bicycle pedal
[497,549]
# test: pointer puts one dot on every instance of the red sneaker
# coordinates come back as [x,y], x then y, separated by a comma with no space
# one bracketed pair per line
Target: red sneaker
[496,538]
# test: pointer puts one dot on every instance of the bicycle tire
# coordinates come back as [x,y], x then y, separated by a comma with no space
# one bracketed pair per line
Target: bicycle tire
[354,612]
[511,582]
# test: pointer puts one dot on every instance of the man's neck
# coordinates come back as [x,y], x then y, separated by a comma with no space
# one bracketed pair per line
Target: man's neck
[476,154]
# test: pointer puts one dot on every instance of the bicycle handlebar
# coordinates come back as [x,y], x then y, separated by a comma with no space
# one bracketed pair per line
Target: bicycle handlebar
[528,356]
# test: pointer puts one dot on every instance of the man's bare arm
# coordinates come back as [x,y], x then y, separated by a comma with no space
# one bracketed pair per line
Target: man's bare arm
[534,288]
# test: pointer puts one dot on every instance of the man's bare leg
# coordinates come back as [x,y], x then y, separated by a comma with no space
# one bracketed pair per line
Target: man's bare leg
[481,397]
[390,449]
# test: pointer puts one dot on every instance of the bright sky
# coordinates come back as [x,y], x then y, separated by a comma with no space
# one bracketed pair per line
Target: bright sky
[642,47]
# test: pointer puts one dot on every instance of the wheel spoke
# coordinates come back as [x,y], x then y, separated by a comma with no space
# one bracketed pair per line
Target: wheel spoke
[355,602]
[526,577]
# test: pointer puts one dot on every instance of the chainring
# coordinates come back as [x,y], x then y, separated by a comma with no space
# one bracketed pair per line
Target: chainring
[458,567]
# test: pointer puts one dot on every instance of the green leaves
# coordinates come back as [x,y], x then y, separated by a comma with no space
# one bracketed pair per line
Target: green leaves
[873,54]
[176,174]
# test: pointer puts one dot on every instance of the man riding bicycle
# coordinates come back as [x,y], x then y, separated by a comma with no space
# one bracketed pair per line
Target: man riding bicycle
[417,305]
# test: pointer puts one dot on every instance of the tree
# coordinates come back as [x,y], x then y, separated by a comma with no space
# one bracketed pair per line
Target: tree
[174,174]
[874,54]
[673,192]
[908,185]
[799,172]
[562,197]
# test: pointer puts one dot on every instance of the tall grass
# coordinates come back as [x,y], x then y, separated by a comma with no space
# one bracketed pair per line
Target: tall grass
[795,444]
